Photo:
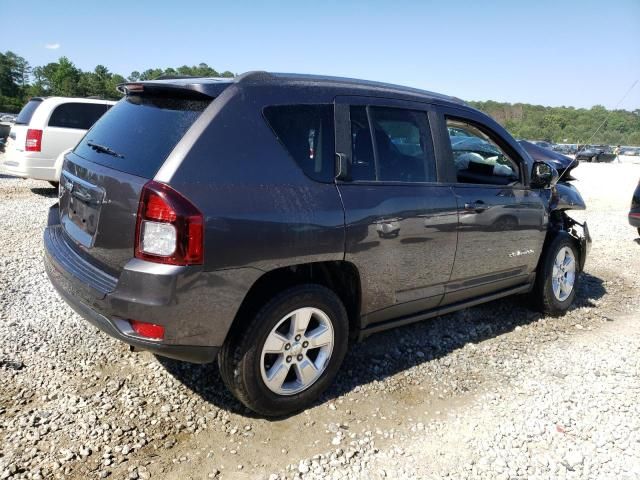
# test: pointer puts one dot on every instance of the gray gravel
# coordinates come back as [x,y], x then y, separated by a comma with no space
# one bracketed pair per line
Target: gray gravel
[492,392]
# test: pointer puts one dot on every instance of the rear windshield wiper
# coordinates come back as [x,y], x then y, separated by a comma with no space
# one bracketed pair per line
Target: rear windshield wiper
[102,149]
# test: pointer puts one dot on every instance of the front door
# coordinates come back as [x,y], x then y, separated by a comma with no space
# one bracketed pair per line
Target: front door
[400,223]
[502,223]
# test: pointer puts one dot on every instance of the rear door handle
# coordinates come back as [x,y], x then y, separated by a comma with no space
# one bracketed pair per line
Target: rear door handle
[478,206]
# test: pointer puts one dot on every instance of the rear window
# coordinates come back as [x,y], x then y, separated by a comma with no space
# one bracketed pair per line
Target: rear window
[306,131]
[139,133]
[77,115]
[24,117]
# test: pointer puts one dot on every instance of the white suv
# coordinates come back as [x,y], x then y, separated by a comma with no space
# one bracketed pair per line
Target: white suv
[46,127]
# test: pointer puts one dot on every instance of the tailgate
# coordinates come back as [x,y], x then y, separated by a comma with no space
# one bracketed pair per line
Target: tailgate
[16,139]
[98,208]
[102,178]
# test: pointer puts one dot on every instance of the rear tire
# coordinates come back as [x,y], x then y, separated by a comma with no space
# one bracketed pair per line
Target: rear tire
[292,378]
[557,278]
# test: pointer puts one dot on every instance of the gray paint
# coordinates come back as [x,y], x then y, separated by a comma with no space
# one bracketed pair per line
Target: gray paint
[417,247]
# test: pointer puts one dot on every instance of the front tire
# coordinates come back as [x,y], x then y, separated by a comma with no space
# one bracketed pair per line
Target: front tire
[289,353]
[558,275]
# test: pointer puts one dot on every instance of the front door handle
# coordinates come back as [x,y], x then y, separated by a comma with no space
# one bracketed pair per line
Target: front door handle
[478,206]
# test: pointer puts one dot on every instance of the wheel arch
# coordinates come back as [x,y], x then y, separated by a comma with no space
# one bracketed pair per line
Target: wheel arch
[562,224]
[342,277]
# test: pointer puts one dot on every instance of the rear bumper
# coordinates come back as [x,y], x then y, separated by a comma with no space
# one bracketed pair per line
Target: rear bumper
[634,219]
[20,164]
[196,308]
[187,353]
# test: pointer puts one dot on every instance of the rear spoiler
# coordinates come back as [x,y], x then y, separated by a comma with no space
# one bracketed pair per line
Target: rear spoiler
[181,87]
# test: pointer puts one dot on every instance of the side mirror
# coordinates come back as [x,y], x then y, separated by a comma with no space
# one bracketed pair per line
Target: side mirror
[543,175]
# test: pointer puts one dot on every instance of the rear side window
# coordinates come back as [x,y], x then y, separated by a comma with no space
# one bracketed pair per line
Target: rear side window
[140,133]
[77,115]
[306,131]
[24,117]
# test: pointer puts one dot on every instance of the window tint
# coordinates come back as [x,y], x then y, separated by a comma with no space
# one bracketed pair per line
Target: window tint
[142,130]
[401,139]
[77,115]
[306,131]
[402,150]
[477,158]
[24,117]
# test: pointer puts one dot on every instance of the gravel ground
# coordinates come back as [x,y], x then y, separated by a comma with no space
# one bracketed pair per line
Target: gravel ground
[496,391]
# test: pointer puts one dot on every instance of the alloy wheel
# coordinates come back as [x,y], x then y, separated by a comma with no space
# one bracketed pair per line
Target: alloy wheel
[564,273]
[297,351]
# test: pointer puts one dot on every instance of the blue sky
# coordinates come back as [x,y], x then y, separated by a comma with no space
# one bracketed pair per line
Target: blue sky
[577,53]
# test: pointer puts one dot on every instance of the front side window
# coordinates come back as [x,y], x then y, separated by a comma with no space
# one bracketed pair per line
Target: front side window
[306,131]
[77,115]
[390,145]
[478,159]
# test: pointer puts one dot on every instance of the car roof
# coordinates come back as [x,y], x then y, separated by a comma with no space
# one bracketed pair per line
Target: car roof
[40,116]
[61,100]
[212,86]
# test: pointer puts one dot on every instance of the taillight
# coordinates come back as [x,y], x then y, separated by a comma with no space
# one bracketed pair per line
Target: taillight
[169,228]
[147,330]
[34,140]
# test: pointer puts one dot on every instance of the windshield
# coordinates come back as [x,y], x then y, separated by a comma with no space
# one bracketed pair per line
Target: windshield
[138,133]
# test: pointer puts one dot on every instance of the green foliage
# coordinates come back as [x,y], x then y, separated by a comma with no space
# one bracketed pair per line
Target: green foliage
[566,124]
[19,82]
[14,79]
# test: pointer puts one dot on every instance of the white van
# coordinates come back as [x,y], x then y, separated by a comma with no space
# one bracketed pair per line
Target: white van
[46,127]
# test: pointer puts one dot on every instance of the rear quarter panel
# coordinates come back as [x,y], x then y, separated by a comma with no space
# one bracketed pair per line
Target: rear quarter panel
[260,209]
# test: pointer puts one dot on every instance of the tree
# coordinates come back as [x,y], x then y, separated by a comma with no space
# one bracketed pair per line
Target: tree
[14,79]
[576,125]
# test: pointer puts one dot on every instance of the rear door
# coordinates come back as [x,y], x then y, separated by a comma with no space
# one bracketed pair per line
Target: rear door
[502,222]
[67,124]
[400,223]
[103,176]
[18,134]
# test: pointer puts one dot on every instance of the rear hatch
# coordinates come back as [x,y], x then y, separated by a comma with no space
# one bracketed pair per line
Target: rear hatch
[103,176]
[18,134]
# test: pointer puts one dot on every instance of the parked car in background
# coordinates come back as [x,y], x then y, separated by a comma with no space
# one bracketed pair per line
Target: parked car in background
[595,153]
[542,143]
[565,148]
[45,127]
[57,165]
[630,151]
[6,122]
[634,211]
[7,117]
[338,219]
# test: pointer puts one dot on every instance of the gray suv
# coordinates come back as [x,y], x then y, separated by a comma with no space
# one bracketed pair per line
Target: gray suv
[269,219]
